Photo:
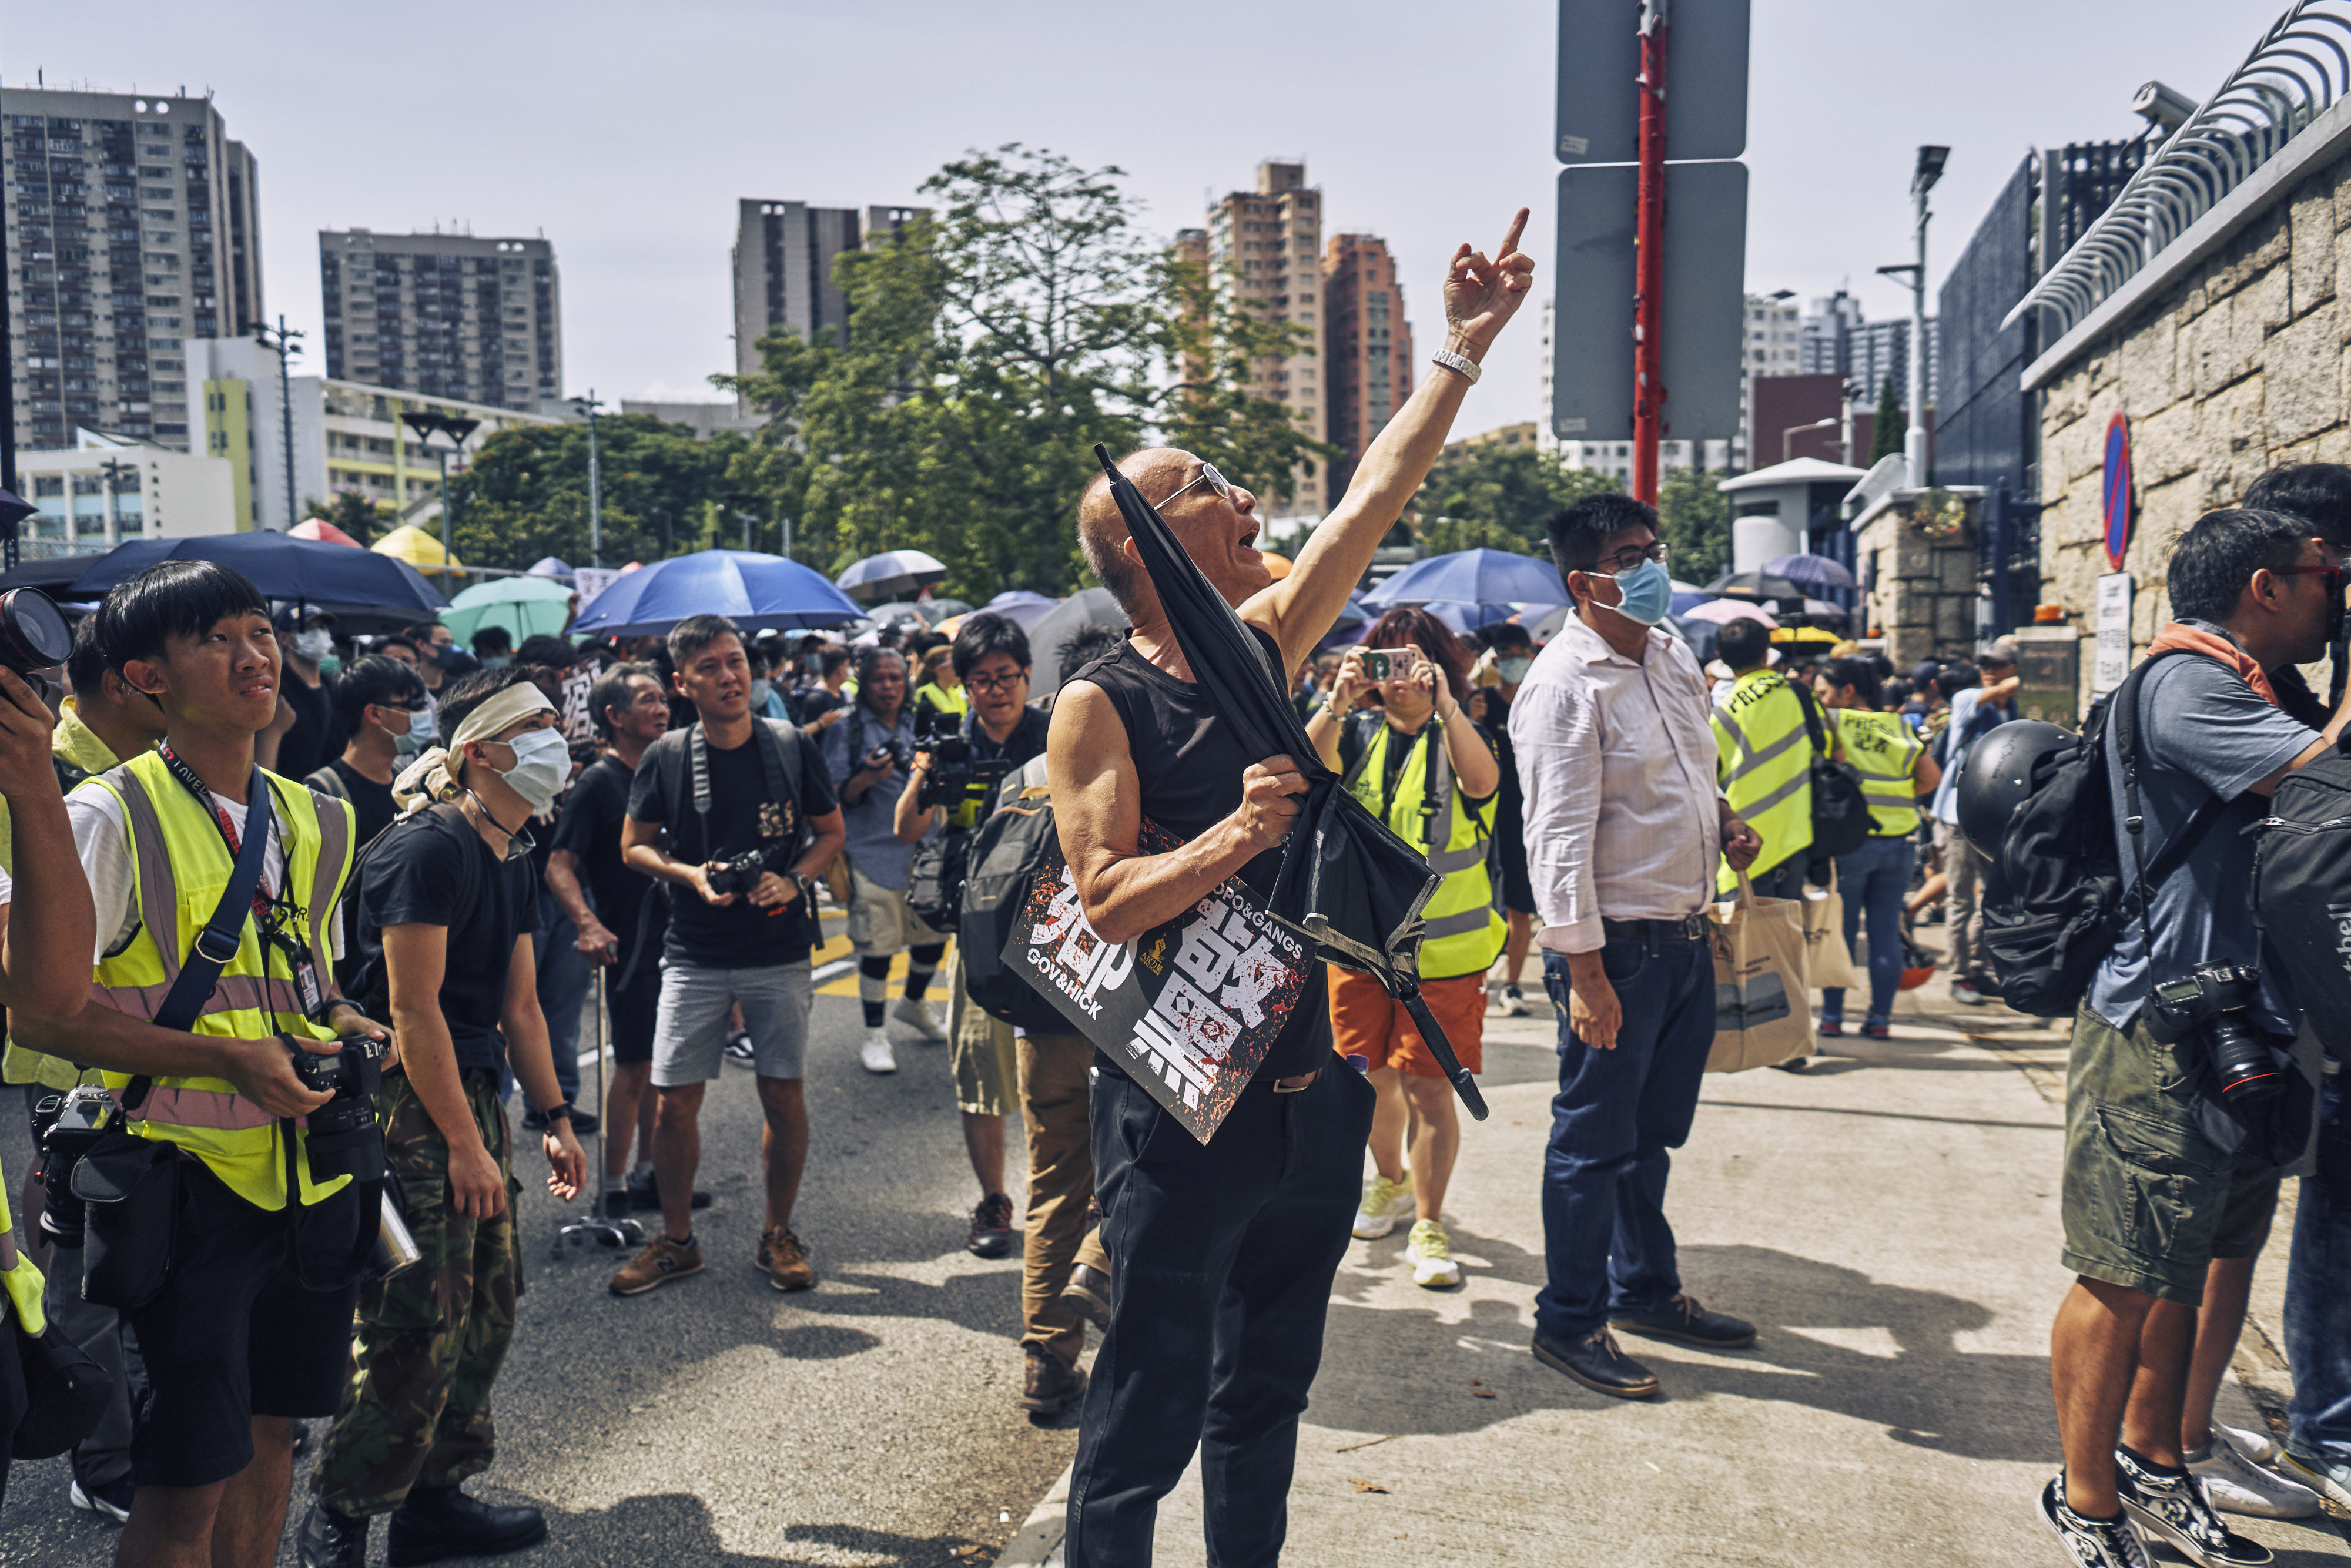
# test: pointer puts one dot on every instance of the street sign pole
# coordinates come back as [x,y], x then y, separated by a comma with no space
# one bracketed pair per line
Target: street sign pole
[1649,250]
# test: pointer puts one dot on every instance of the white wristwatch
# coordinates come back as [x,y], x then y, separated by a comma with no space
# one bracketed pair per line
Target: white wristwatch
[1461,364]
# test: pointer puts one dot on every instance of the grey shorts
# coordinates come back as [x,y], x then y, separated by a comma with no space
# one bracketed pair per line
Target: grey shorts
[690,1027]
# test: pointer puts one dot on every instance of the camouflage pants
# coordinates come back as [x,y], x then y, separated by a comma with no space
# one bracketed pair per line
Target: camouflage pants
[430,1341]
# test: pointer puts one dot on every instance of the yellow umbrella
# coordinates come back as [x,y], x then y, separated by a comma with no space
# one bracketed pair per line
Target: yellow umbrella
[417,547]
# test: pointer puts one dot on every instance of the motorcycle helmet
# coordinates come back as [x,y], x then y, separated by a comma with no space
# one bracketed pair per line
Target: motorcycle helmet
[1997,776]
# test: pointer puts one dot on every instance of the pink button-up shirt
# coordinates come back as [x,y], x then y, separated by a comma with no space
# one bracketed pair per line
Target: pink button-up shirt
[1617,765]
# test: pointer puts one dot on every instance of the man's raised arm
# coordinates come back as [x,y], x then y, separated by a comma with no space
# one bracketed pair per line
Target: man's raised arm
[1479,296]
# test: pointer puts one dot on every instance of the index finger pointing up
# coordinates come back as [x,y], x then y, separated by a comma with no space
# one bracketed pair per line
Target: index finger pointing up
[1510,240]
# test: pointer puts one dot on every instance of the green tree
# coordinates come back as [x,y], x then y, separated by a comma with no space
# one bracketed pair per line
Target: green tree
[1497,498]
[1693,521]
[364,519]
[1887,434]
[525,495]
[986,351]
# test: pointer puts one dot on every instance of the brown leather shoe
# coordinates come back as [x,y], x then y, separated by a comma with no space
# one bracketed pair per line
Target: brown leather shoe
[784,1261]
[1049,1385]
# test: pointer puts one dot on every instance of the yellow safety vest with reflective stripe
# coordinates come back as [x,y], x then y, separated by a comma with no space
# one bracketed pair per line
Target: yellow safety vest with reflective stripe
[1884,752]
[18,1277]
[956,702]
[1462,928]
[180,866]
[1764,759]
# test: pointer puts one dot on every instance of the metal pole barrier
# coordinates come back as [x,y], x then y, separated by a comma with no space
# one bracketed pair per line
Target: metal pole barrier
[1649,260]
[601,1227]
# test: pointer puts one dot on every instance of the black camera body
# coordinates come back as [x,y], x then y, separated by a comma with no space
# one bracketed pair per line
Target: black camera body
[952,770]
[345,1139]
[67,1126]
[740,874]
[2211,1005]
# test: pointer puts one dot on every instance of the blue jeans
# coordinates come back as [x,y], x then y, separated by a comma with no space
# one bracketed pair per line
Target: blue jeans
[563,981]
[2318,1305]
[1874,878]
[1606,1240]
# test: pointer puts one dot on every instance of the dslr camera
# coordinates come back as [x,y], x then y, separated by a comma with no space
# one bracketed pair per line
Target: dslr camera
[952,770]
[2210,1005]
[345,1139]
[740,874]
[66,1125]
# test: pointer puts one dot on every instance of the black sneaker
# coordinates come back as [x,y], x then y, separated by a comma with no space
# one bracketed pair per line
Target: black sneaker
[1089,1292]
[739,1049]
[1685,1322]
[108,1500]
[2091,1542]
[2176,1510]
[330,1540]
[1595,1361]
[991,1227]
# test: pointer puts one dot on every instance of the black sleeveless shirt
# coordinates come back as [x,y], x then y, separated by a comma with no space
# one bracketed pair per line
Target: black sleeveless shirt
[1190,763]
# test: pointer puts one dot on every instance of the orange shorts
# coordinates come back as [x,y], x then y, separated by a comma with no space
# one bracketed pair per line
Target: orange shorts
[1366,1021]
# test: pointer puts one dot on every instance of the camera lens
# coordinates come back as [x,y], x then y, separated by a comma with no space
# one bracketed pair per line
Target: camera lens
[33,634]
[2242,1061]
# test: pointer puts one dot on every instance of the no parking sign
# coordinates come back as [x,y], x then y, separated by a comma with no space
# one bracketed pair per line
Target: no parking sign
[2119,508]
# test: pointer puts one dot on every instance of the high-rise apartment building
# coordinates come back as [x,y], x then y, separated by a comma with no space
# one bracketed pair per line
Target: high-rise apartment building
[783,258]
[1838,341]
[133,227]
[447,316]
[1265,244]
[1367,346]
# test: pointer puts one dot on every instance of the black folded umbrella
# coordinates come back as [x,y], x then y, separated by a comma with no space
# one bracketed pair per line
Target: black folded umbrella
[1347,884]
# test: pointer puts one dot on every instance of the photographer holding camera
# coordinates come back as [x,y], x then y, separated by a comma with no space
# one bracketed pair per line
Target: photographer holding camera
[734,813]
[447,901]
[868,756]
[236,1237]
[2166,1172]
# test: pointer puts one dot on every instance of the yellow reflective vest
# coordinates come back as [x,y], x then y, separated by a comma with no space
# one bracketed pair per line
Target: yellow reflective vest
[1884,750]
[180,866]
[1764,759]
[1462,925]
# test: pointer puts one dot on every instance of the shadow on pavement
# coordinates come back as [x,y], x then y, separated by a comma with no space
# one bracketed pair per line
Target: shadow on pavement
[1828,1337]
[675,1526]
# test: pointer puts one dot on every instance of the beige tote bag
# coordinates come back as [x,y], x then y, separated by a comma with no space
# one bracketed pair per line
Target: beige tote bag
[1828,962]
[1762,995]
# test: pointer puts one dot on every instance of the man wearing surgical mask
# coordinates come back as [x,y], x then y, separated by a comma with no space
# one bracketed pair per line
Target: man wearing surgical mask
[306,699]
[447,901]
[1625,826]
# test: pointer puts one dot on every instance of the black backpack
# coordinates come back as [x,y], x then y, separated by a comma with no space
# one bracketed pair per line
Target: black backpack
[368,988]
[1006,852]
[1840,819]
[2060,890]
[2301,892]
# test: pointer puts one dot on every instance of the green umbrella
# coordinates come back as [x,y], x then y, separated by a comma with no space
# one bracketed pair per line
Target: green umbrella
[525,606]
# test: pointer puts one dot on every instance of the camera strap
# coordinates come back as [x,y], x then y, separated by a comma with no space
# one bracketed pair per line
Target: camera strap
[217,943]
[2148,878]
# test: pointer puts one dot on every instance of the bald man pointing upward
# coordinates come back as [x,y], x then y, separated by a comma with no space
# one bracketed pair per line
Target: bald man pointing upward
[1222,1254]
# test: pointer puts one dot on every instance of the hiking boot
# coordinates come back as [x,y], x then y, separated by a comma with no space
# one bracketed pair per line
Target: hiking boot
[1595,1361]
[2091,1542]
[1050,1386]
[784,1261]
[1089,1292]
[2172,1507]
[329,1540]
[1384,1203]
[662,1261]
[991,1227]
[1685,1322]
[442,1521]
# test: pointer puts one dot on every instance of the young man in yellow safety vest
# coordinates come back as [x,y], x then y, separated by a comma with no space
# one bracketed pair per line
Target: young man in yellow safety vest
[1426,769]
[1765,759]
[240,1344]
[1896,771]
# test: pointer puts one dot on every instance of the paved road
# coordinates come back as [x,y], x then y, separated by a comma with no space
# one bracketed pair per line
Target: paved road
[714,1421]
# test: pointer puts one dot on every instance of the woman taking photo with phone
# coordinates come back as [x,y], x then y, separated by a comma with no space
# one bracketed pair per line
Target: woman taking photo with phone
[1427,770]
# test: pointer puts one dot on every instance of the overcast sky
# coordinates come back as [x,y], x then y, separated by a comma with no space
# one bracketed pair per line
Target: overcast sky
[626,132]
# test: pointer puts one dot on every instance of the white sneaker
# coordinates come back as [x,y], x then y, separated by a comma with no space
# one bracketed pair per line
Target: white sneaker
[917,1016]
[2330,1478]
[2237,1484]
[1431,1251]
[1384,1203]
[1508,1003]
[877,1055]
[2258,1446]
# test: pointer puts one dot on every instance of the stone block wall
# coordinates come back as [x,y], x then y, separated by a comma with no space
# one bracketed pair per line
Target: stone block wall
[2238,367]
[1924,592]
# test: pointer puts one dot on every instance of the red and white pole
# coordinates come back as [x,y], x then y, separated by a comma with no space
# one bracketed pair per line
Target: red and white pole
[1649,259]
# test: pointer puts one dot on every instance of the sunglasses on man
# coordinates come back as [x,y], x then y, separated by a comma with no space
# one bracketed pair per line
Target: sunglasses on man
[1208,477]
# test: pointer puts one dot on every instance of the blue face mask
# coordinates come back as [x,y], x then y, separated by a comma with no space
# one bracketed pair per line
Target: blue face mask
[1649,593]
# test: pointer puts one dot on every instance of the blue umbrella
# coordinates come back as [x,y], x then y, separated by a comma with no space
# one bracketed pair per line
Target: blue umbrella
[754,592]
[332,576]
[893,574]
[1474,577]
[1810,570]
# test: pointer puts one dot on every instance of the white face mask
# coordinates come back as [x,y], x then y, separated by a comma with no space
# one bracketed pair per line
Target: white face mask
[313,646]
[407,724]
[542,767]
